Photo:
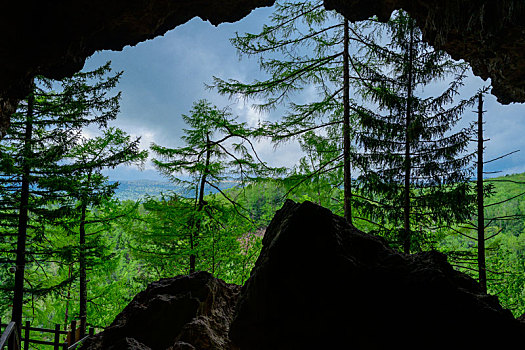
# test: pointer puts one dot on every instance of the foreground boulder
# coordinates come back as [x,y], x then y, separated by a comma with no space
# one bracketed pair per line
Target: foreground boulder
[319,283]
[185,312]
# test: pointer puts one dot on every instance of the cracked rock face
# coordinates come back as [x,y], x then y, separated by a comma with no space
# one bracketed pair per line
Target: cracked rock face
[53,38]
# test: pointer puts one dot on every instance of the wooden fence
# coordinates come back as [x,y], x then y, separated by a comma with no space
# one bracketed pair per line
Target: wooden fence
[56,338]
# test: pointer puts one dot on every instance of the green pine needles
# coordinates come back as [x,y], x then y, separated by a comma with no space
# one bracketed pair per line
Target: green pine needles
[50,176]
[306,53]
[415,164]
[216,149]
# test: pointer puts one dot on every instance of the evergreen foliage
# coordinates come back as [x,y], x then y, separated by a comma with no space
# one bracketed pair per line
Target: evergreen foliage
[217,148]
[39,179]
[86,187]
[305,51]
[415,166]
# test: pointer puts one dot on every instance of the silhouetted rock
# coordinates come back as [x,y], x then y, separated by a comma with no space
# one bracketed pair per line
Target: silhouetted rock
[489,35]
[321,284]
[128,344]
[184,312]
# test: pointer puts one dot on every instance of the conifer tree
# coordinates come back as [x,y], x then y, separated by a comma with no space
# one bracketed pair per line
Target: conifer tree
[46,126]
[305,50]
[483,228]
[217,149]
[88,189]
[415,167]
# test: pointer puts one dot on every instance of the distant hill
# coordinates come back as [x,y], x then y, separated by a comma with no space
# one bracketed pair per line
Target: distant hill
[139,189]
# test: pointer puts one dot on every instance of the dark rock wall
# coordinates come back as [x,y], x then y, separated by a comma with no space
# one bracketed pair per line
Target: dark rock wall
[322,284]
[184,312]
[53,38]
[489,34]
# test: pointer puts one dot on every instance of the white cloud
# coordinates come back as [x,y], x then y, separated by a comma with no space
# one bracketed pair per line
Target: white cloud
[249,114]
[90,132]
[286,155]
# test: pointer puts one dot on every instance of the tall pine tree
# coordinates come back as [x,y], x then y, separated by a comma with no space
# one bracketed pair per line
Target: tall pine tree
[88,189]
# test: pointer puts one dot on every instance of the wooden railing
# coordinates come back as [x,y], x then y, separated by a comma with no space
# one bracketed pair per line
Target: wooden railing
[10,337]
[56,338]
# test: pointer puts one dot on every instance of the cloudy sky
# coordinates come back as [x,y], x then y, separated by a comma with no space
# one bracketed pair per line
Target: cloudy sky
[163,77]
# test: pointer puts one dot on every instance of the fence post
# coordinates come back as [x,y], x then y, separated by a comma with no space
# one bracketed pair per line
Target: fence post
[57,337]
[82,327]
[91,331]
[0,325]
[26,343]
[72,339]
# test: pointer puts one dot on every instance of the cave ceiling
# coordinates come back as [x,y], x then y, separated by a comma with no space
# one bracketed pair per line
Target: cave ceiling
[54,38]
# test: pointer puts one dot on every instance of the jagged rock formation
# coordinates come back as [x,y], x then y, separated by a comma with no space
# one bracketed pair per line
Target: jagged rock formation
[318,284]
[180,313]
[322,284]
[488,34]
[54,38]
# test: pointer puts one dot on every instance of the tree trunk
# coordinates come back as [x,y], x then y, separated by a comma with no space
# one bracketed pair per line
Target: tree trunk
[347,167]
[482,269]
[200,203]
[408,166]
[18,297]
[68,298]
[82,257]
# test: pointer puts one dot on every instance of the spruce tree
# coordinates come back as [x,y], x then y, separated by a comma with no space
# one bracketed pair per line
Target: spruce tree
[415,168]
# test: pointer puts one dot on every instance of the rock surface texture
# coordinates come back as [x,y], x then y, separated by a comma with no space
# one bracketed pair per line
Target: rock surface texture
[53,38]
[489,34]
[321,284]
[180,313]
[318,284]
